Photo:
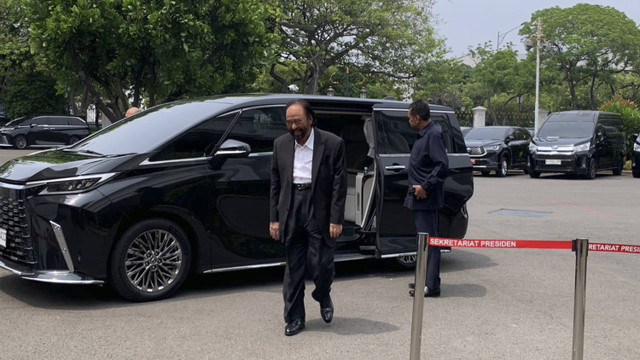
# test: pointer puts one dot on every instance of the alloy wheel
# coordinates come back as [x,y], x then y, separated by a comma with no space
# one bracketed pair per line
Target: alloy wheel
[153,260]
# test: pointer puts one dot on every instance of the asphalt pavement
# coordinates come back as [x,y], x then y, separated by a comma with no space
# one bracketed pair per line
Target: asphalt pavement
[495,303]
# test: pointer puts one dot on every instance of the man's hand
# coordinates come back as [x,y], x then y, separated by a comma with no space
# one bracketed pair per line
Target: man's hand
[420,193]
[274,230]
[335,230]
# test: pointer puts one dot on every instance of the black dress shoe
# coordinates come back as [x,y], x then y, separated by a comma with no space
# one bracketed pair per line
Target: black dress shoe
[294,327]
[427,292]
[326,310]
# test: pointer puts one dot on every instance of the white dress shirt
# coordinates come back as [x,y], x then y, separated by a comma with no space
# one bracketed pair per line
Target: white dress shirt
[302,161]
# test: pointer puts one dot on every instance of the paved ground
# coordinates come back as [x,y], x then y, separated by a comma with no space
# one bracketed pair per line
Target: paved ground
[495,304]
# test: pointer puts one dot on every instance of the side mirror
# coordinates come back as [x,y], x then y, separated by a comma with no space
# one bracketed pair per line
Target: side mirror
[233,149]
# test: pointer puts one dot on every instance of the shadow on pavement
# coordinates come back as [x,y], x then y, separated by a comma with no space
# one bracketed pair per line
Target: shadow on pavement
[77,297]
[350,326]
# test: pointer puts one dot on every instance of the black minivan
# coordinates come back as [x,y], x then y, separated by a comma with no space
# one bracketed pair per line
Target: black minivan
[578,142]
[185,186]
[43,130]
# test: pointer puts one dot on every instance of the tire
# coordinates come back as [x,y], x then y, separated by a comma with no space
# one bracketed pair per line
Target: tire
[618,169]
[503,166]
[20,142]
[591,171]
[72,140]
[150,261]
[406,262]
[534,174]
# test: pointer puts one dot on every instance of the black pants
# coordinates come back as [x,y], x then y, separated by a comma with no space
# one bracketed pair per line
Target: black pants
[307,253]
[427,222]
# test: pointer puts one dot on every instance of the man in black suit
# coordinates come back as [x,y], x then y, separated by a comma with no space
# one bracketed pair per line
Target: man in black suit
[308,194]
[428,167]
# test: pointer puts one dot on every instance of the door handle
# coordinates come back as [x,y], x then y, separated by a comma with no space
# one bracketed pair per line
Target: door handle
[395,167]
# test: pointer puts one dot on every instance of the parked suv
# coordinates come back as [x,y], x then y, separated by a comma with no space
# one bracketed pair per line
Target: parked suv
[498,148]
[185,186]
[635,160]
[578,142]
[43,130]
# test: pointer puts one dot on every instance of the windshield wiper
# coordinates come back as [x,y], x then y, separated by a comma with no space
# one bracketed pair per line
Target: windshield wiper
[90,152]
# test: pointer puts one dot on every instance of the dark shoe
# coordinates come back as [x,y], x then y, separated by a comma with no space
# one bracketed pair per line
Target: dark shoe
[294,327]
[326,310]
[427,292]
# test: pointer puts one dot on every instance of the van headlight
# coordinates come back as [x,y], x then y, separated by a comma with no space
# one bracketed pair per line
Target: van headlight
[533,148]
[71,185]
[581,147]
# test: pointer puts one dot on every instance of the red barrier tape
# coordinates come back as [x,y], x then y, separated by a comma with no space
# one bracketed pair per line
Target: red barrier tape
[633,249]
[505,244]
[529,244]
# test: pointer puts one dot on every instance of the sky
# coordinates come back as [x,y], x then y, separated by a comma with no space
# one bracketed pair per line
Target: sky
[467,23]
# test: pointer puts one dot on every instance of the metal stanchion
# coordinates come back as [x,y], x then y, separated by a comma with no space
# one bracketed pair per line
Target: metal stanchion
[581,247]
[418,296]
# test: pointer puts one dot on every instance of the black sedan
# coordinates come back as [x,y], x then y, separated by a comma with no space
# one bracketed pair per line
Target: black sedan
[43,130]
[498,148]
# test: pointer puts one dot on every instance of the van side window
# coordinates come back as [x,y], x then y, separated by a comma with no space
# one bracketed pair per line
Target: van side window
[395,135]
[259,128]
[197,142]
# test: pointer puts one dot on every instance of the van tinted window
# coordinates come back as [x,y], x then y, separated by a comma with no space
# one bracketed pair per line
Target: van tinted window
[395,135]
[566,129]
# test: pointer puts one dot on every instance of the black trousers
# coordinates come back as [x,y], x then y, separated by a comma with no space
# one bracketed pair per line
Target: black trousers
[307,254]
[427,222]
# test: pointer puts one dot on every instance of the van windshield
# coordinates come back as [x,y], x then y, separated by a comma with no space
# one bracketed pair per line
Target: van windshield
[146,131]
[566,129]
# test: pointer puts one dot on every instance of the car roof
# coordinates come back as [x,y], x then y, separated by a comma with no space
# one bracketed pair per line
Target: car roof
[265,99]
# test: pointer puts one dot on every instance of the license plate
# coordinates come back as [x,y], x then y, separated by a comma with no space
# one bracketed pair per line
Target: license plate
[553,162]
[3,237]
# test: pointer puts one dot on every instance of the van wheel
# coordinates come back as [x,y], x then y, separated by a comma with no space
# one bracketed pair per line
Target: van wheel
[150,261]
[20,142]
[503,166]
[618,169]
[534,174]
[72,140]
[591,172]
[407,262]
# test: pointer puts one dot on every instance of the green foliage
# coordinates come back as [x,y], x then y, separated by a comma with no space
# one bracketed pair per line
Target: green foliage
[155,49]
[378,38]
[588,44]
[630,115]
[32,93]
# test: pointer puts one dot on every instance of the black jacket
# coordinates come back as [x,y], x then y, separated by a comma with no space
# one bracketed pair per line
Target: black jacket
[328,184]
[428,168]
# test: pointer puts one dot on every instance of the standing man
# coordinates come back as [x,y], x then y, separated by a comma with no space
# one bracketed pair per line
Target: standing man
[428,169]
[308,194]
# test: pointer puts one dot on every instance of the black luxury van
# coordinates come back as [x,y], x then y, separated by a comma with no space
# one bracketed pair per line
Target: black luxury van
[185,186]
[578,142]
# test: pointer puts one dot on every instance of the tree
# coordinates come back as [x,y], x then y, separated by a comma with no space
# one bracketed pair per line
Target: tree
[501,72]
[587,43]
[124,51]
[382,37]
[32,93]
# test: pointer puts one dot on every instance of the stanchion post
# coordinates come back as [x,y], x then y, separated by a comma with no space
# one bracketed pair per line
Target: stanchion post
[418,295]
[581,247]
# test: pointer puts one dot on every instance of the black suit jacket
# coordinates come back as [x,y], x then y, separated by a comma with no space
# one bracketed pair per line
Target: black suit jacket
[329,180]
